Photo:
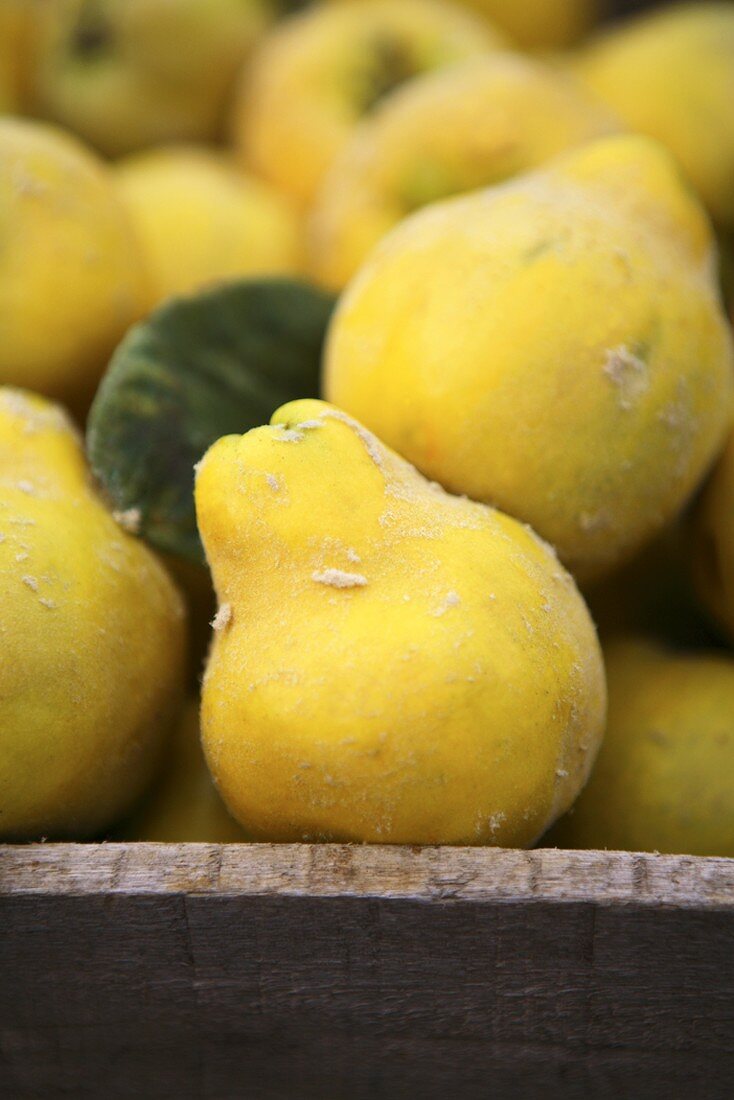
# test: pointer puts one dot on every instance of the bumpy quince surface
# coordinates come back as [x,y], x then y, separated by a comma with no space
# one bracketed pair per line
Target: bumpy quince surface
[391,663]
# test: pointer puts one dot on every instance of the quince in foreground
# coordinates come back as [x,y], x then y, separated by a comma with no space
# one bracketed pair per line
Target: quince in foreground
[391,663]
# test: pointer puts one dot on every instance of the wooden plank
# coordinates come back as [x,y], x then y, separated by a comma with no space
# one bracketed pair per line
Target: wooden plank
[290,972]
[325,870]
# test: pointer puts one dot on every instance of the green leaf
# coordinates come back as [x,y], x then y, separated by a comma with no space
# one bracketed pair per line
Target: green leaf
[199,368]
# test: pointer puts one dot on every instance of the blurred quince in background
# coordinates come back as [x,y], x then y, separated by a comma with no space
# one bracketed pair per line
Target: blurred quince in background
[475,124]
[199,220]
[130,73]
[319,73]
[670,74]
[72,277]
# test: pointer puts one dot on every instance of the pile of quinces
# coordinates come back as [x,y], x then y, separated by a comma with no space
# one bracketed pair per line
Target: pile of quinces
[356,359]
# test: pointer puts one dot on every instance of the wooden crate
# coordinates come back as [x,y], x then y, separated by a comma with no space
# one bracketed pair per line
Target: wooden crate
[291,972]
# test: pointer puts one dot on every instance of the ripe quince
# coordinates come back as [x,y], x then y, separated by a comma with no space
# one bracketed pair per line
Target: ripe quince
[391,663]
[127,74]
[200,221]
[443,134]
[555,346]
[93,638]
[184,807]
[670,74]
[662,781]
[72,277]
[318,73]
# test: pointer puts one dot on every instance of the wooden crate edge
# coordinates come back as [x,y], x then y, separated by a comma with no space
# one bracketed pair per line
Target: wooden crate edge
[340,870]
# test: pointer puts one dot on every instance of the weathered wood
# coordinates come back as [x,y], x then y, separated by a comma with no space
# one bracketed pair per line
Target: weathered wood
[323,870]
[294,972]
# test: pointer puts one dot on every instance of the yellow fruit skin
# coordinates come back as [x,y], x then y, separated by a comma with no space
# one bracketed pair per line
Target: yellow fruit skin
[534,24]
[392,664]
[540,24]
[554,346]
[126,74]
[670,75]
[713,542]
[318,73]
[662,781]
[93,638]
[445,133]
[71,274]
[184,807]
[199,221]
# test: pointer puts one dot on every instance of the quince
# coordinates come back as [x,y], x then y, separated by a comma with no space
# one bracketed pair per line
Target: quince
[555,346]
[536,24]
[390,663]
[670,74]
[318,73]
[93,638]
[72,278]
[540,24]
[662,781]
[130,73]
[184,807]
[445,133]
[200,221]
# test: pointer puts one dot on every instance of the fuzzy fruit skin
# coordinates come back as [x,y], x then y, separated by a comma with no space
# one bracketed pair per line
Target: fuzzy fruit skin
[392,664]
[200,221]
[127,74]
[554,346]
[712,531]
[93,638]
[318,73]
[71,275]
[670,74]
[662,781]
[184,807]
[444,134]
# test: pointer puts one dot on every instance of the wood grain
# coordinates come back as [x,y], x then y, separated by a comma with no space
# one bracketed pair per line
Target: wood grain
[325,870]
[294,972]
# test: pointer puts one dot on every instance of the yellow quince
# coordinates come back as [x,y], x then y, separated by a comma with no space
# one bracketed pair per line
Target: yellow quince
[662,781]
[670,74]
[555,346]
[72,278]
[184,807]
[199,220]
[93,638]
[126,74]
[443,134]
[391,663]
[318,73]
